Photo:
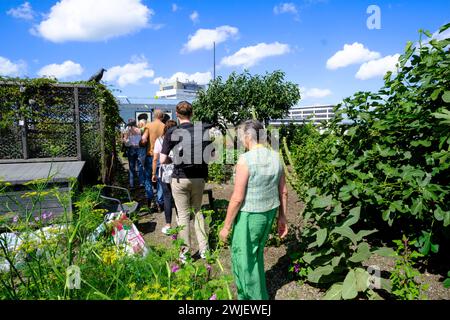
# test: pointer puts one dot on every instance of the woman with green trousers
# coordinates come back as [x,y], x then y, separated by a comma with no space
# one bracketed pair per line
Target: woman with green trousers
[260,192]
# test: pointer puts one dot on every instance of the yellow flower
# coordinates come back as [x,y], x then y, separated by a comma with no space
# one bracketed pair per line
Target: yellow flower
[111,255]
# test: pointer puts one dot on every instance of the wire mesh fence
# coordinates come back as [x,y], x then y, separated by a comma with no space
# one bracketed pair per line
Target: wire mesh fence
[57,122]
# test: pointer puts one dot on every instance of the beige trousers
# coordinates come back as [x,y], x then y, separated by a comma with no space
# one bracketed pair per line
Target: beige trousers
[188,197]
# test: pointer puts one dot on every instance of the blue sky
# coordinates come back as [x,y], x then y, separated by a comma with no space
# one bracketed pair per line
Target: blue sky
[324,46]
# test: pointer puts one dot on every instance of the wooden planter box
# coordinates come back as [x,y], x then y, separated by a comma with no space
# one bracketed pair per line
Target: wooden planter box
[22,202]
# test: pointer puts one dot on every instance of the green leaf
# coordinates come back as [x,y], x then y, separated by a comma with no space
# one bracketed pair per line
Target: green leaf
[445,115]
[311,256]
[385,284]
[427,33]
[321,236]
[447,283]
[441,215]
[346,232]
[386,215]
[322,202]
[374,296]
[336,260]
[334,293]
[349,287]
[435,94]
[315,275]
[434,248]
[447,219]
[362,279]
[446,97]
[385,252]
[425,143]
[362,253]
[364,233]
[354,217]
[417,207]
[444,28]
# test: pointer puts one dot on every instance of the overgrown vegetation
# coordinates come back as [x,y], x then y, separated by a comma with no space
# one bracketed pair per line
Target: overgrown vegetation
[36,266]
[379,171]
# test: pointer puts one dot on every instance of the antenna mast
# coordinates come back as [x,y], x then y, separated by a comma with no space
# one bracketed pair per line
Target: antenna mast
[214,60]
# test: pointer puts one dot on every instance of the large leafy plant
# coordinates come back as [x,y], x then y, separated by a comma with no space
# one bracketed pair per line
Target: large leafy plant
[381,164]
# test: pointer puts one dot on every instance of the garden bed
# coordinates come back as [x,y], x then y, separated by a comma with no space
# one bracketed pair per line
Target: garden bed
[281,285]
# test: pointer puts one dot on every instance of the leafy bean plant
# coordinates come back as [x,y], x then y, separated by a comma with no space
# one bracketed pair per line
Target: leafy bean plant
[382,164]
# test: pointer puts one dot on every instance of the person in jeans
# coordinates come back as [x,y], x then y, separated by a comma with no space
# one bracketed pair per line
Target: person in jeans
[259,192]
[165,177]
[142,151]
[188,179]
[131,139]
[153,131]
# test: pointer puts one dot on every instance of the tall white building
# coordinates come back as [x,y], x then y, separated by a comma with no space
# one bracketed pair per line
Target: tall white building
[179,90]
[314,114]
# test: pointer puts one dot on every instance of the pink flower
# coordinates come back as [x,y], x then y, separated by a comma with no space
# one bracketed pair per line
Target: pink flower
[15,219]
[209,268]
[214,297]
[175,268]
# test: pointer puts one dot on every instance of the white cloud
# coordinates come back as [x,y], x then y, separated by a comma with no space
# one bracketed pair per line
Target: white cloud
[205,38]
[285,8]
[195,17]
[87,20]
[131,73]
[61,71]
[175,7]
[24,11]
[198,77]
[314,93]
[249,56]
[441,36]
[378,68]
[11,69]
[351,54]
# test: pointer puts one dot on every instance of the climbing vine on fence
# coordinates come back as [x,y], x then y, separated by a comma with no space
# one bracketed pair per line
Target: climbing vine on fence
[49,106]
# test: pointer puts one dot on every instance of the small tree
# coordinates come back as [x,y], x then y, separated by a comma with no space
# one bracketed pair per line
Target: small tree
[245,96]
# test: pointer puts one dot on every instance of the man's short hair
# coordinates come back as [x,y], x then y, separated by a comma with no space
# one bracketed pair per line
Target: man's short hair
[159,114]
[184,109]
[143,116]
[165,118]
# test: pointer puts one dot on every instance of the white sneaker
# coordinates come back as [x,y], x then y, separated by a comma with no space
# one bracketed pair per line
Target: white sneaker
[203,254]
[165,230]
[183,257]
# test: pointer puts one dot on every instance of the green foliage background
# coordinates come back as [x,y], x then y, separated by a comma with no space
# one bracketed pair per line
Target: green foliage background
[243,96]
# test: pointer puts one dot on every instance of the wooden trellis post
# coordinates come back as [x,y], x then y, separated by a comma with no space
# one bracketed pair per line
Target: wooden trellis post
[102,144]
[77,123]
